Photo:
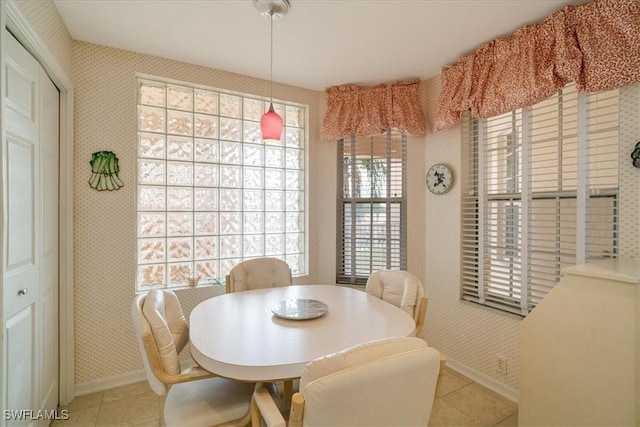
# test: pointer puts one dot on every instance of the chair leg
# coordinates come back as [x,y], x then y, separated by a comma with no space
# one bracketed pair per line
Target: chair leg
[297,410]
[287,393]
[255,413]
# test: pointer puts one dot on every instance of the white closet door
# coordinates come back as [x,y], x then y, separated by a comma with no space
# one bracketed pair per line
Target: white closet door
[30,236]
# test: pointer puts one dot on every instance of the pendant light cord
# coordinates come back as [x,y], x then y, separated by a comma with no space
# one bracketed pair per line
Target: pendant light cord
[271,54]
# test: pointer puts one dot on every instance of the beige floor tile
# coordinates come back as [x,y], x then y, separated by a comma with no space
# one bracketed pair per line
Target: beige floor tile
[443,415]
[86,401]
[499,397]
[462,403]
[451,382]
[161,415]
[130,390]
[448,370]
[154,423]
[480,404]
[79,418]
[133,411]
[510,421]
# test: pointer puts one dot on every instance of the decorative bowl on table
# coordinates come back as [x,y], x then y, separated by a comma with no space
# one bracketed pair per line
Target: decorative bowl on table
[300,309]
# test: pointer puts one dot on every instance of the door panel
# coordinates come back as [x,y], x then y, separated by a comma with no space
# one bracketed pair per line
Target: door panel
[21,151]
[20,357]
[49,351]
[49,166]
[20,204]
[20,88]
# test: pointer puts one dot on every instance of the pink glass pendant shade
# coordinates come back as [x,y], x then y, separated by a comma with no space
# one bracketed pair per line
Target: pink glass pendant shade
[271,122]
[271,125]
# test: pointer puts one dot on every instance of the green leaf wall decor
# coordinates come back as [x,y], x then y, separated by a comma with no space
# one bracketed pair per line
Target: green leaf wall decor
[104,171]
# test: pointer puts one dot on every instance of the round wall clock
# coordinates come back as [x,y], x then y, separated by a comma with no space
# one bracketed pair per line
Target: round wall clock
[439,178]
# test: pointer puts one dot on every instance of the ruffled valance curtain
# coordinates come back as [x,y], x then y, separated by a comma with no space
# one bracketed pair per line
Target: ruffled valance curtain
[597,45]
[372,110]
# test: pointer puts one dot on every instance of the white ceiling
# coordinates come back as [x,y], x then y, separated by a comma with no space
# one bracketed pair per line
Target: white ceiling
[318,44]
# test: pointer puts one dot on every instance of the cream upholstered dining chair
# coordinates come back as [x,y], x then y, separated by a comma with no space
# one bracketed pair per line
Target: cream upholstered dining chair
[404,290]
[401,289]
[388,382]
[194,397]
[258,273]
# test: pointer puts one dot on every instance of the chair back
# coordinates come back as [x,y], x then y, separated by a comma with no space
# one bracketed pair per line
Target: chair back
[397,287]
[258,273]
[162,332]
[389,382]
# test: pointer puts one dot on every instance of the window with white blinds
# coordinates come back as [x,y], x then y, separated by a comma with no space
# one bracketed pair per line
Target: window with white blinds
[541,193]
[371,216]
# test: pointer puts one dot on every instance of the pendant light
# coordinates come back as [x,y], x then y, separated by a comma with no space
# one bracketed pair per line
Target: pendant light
[271,122]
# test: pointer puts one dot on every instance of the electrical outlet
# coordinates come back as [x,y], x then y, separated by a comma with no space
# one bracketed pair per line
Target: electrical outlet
[502,364]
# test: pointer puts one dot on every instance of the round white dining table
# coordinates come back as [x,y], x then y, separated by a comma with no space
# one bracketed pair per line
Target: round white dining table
[237,336]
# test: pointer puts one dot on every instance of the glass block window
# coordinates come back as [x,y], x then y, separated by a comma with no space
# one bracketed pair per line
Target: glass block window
[210,191]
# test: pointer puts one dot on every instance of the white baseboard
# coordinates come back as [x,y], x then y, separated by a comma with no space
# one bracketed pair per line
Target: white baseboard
[484,380]
[110,382]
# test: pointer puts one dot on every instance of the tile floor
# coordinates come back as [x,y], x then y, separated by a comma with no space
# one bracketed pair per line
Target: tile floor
[461,403]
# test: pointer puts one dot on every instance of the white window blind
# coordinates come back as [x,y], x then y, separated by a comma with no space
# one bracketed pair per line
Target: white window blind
[210,191]
[541,193]
[371,205]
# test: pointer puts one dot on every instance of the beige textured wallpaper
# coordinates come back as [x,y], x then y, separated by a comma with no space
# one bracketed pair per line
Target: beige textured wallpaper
[47,22]
[465,333]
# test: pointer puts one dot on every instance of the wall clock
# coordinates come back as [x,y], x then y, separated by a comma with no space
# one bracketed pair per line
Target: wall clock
[439,178]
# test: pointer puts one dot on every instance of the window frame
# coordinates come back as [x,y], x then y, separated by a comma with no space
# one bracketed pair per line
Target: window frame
[348,270]
[476,242]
